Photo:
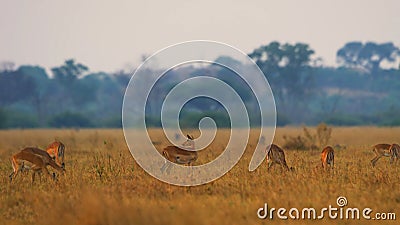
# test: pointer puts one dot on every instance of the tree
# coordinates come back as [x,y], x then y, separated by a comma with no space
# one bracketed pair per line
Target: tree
[69,72]
[104,92]
[69,119]
[3,118]
[368,56]
[6,66]
[122,78]
[41,90]
[286,67]
[71,88]
[15,86]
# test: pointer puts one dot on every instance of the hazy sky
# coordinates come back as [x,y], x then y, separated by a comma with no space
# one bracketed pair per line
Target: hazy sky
[108,35]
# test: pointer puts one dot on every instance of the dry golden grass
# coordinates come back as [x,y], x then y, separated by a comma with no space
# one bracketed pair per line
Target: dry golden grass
[104,185]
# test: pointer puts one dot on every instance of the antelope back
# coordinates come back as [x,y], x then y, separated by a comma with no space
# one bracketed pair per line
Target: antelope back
[189,143]
[381,148]
[327,155]
[178,155]
[37,151]
[28,155]
[276,154]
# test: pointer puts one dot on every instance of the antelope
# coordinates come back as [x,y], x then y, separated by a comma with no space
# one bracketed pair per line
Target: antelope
[328,157]
[38,158]
[275,155]
[179,155]
[56,151]
[386,150]
[394,152]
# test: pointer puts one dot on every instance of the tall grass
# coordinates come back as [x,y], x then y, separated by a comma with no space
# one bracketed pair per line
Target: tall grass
[104,185]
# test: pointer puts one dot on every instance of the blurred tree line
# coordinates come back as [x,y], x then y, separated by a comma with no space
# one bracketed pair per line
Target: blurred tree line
[72,97]
[363,90]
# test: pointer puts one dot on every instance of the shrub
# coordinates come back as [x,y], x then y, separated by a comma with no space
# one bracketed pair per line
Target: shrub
[16,119]
[309,140]
[69,119]
[321,136]
[282,120]
[192,119]
[344,120]
[299,142]
[112,122]
[3,118]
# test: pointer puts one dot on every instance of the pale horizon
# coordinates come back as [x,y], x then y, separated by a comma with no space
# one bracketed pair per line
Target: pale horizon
[110,36]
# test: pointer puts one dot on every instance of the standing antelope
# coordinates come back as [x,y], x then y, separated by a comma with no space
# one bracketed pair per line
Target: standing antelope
[38,160]
[56,151]
[276,155]
[328,157]
[394,153]
[179,155]
[387,150]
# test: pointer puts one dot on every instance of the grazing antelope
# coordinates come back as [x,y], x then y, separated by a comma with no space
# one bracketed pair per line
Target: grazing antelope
[179,155]
[275,155]
[56,151]
[387,150]
[328,157]
[38,160]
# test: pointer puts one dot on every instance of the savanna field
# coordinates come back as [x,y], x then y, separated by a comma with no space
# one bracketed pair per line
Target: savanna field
[104,185]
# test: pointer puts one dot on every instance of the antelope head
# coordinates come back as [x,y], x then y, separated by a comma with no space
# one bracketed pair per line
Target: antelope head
[189,143]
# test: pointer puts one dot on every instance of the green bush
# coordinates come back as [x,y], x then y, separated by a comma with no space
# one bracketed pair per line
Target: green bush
[192,119]
[391,122]
[3,119]
[111,122]
[153,121]
[344,120]
[16,119]
[69,119]
[282,120]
